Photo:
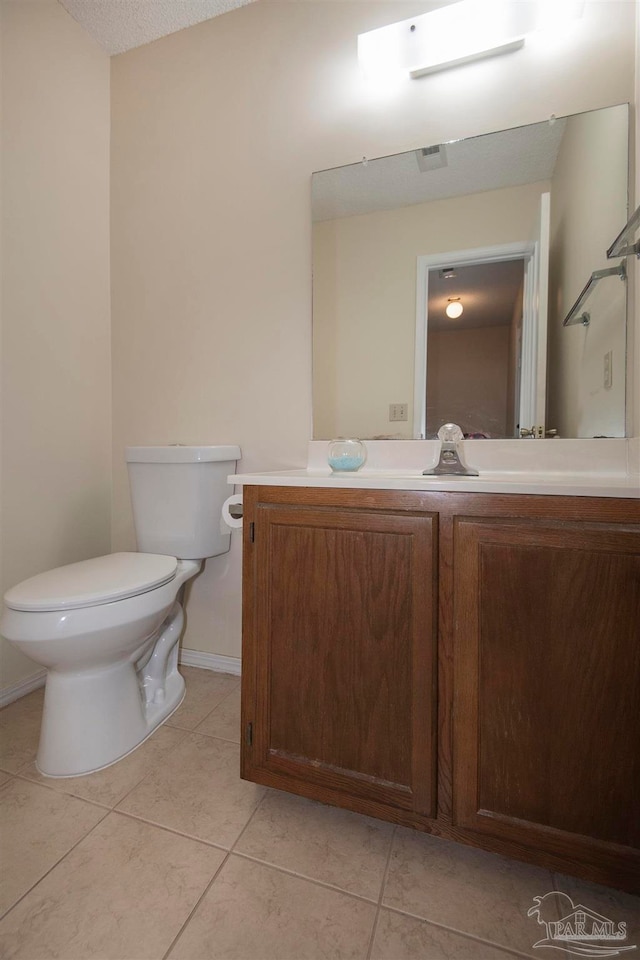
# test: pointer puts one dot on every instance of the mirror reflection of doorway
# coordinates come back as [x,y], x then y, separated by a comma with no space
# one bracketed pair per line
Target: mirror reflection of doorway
[473,360]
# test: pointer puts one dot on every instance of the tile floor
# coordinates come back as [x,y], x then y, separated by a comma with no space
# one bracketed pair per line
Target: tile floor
[168,854]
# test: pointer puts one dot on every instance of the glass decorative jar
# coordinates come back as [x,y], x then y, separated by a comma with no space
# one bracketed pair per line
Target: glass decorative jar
[346,455]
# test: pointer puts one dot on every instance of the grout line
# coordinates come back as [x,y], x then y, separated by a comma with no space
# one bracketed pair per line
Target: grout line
[555,881]
[98,803]
[176,833]
[203,733]
[218,704]
[212,881]
[153,767]
[253,813]
[460,933]
[63,793]
[195,907]
[22,766]
[216,736]
[303,876]
[10,777]
[57,863]
[195,729]
[381,894]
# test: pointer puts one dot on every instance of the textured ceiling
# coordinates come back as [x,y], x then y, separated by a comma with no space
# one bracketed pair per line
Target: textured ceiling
[509,158]
[506,159]
[119,25]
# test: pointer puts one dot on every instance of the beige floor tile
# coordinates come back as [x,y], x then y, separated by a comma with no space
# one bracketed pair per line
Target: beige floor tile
[399,937]
[198,791]
[121,894]
[224,720]
[615,905]
[110,785]
[20,731]
[324,843]
[4,778]
[469,890]
[38,827]
[253,912]
[205,690]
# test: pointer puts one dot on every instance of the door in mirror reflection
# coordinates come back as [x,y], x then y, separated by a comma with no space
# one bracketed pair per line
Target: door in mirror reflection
[473,359]
[481,317]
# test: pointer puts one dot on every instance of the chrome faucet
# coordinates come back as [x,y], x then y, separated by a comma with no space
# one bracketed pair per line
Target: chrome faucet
[450,464]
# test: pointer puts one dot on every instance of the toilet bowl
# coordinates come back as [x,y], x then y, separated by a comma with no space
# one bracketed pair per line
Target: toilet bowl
[107,629]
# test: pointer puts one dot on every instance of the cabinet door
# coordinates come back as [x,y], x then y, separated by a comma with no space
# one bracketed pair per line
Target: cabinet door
[547,675]
[342,704]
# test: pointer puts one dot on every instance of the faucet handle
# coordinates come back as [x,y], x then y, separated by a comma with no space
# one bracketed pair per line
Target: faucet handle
[450,464]
[450,433]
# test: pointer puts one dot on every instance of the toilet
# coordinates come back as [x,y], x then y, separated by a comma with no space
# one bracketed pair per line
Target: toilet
[107,629]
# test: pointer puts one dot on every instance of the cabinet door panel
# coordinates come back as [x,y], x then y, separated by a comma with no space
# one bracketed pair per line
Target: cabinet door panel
[345,652]
[547,633]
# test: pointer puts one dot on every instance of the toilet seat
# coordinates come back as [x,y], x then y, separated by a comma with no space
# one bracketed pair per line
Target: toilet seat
[91,583]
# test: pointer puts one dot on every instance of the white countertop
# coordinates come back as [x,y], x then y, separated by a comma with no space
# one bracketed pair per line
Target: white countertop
[549,484]
[580,468]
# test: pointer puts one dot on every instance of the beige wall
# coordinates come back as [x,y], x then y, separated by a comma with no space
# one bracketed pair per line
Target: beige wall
[215,133]
[56,422]
[364,300]
[588,210]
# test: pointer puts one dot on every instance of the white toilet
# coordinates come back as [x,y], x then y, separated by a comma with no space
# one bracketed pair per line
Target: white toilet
[107,629]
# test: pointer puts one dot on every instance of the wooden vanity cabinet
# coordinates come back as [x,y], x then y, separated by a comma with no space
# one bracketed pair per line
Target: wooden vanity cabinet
[547,687]
[466,664]
[339,650]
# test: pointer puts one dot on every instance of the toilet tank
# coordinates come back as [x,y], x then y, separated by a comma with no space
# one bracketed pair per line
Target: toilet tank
[177,495]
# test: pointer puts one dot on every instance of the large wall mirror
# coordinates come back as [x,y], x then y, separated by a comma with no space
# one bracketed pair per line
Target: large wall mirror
[510,226]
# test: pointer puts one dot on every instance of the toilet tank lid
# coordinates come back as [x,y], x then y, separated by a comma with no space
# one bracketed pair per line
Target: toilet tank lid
[176,453]
[92,582]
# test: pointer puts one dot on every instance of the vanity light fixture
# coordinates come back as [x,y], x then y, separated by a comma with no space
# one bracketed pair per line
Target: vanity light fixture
[457,34]
[454,308]
[434,67]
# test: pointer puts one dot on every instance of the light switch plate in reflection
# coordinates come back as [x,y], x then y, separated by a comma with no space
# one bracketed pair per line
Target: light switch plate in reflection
[398,411]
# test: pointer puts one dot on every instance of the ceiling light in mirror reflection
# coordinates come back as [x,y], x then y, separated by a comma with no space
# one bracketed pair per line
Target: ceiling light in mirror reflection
[454,308]
[457,34]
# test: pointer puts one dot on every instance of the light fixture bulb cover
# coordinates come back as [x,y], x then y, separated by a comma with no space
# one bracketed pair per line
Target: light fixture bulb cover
[458,33]
[454,309]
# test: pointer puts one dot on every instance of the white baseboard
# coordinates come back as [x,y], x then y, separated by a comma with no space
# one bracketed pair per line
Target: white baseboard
[22,688]
[190,658]
[211,661]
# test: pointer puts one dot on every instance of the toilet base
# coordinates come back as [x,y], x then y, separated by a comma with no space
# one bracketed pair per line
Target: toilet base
[91,719]
[80,736]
